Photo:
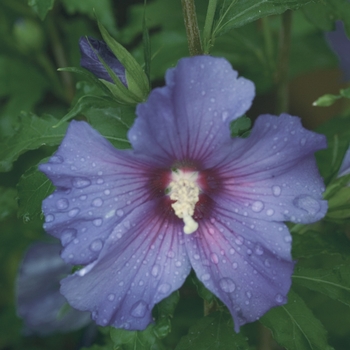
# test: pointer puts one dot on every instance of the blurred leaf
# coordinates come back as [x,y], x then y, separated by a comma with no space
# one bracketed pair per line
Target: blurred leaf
[102,9]
[326,100]
[333,282]
[32,133]
[313,243]
[33,188]
[236,13]
[324,14]
[41,7]
[136,340]
[294,327]
[22,85]
[8,203]
[213,332]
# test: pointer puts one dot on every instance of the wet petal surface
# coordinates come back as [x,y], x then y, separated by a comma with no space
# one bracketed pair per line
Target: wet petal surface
[141,264]
[192,112]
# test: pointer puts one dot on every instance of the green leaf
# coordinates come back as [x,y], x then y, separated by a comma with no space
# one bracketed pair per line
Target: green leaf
[105,115]
[240,126]
[213,332]
[165,312]
[33,188]
[325,14]
[8,203]
[33,133]
[294,326]
[138,83]
[239,12]
[41,7]
[136,340]
[202,291]
[326,100]
[333,282]
[312,243]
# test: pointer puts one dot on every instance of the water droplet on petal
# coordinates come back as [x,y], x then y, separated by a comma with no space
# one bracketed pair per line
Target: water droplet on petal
[239,240]
[56,159]
[81,182]
[258,249]
[164,288]
[307,203]
[49,218]
[235,265]
[232,251]
[224,116]
[205,277]
[196,256]
[178,263]
[155,270]
[139,309]
[68,235]
[270,212]
[287,239]
[276,190]
[73,212]
[258,206]
[171,254]
[303,141]
[227,285]
[100,181]
[96,245]
[97,202]
[97,222]
[107,192]
[120,212]
[279,298]
[111,297]
[83,197]
[214,258]
[267,263]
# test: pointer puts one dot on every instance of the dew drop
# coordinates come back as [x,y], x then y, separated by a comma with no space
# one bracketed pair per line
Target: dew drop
[164,288]
[307,203]
[139,309]
[270,212]
[171,254]
[49,218]
[120,212]
[239,240]
[227,285]
[155,270]
[276,190]
[111,297]
[96,245]
[267,263]
[62,204]
[214,258]
[258,249]
[303,141]
[224,116]
[279,298]
[56,159]
[205,277]
[83,197]
[258,206]
[287,239]
[107,192]
[178,263]
[81,182]
[97,202]
[73,212]
[232,251]
[235,265]
[97,222]
[196,256]
[68,235]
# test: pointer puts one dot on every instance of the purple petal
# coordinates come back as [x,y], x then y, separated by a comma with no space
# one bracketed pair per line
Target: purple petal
[340,44]
[189,117]
[90,61]
[142,262]
[97,186]
[272,175]
[246,263]
[39,301]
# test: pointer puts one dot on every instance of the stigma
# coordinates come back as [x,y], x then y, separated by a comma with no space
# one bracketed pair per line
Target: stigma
[184,190]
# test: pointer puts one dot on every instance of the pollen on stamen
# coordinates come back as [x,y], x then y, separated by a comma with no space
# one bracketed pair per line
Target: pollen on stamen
[183,189]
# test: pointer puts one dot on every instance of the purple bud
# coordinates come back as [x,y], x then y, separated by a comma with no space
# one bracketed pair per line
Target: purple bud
[90,48]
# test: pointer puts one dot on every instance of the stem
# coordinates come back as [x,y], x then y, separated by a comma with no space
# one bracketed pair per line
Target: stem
[269,49]
[60,58]
[282,100]
[208,25]
[191,25]
[264,338]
